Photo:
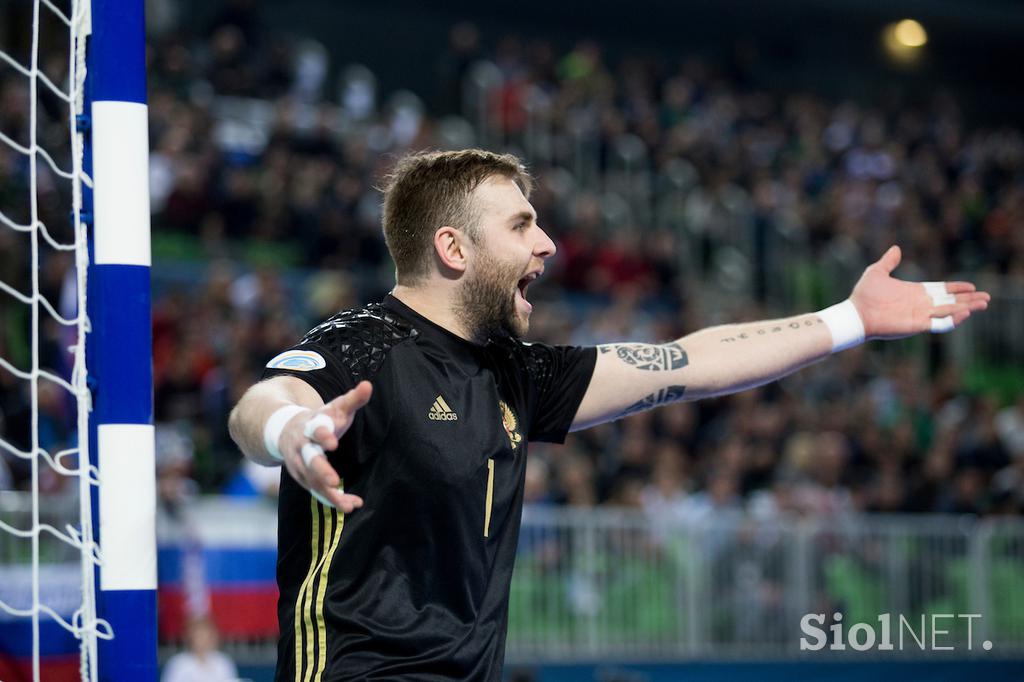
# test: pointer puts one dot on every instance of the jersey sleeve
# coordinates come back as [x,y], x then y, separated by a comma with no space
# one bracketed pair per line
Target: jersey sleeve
[559,377]
[316,365]
[334,357]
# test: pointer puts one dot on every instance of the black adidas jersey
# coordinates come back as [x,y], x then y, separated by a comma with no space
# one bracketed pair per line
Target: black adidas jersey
[415,584]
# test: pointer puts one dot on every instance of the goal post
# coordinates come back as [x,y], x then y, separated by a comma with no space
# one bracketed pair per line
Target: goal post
[119,345]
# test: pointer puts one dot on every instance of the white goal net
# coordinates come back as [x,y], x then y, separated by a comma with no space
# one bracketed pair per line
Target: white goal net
[48,555]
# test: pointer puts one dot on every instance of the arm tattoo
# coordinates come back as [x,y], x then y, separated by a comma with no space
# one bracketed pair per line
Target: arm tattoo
[654,358]
[664,395]
[768,330]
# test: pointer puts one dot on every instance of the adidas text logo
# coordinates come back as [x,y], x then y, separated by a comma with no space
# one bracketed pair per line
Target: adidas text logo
[441,412]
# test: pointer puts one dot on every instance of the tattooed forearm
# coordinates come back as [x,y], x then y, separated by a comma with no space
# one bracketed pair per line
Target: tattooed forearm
[651,357]
[664,395]
[769,329]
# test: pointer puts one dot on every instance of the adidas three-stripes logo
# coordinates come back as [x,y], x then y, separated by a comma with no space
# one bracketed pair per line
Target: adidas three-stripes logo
[440,411]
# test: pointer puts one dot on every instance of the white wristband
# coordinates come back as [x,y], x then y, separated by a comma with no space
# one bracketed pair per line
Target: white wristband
[275,425]
[845,325]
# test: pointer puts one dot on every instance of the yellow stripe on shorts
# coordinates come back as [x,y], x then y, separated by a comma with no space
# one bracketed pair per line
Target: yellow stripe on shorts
[321,664]
[299,614]
[311,659]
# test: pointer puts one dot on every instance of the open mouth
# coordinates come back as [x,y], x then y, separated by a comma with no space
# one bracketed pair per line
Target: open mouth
[524,284]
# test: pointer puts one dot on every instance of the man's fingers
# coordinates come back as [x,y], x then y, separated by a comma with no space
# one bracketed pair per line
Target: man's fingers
[310,451]
[326,426]
[976,301]
[325,485]
[325,437]
[964,292]
[950,309]
[890,259]
[345,502]
[959,287]
[354,399]
[952,303]
[344,407]
[945,318]
[316,475]
[336,497]
[319,471]
[320,429]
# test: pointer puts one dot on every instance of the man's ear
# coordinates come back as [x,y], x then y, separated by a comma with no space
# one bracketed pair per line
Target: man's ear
[450,247]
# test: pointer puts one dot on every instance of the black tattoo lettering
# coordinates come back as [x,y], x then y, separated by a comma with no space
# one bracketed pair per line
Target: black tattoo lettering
[650,357]
[664,395]
[774,329]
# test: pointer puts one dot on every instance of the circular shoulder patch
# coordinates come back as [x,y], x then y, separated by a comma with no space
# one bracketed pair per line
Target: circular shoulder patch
[298,360]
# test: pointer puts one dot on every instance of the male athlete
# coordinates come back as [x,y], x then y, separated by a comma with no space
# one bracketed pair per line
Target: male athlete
[417,412]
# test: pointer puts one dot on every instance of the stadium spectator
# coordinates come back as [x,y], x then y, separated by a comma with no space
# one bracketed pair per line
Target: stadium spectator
[818,184]
[202,661]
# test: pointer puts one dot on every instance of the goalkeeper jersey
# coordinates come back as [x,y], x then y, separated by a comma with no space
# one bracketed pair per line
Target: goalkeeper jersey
[415,584]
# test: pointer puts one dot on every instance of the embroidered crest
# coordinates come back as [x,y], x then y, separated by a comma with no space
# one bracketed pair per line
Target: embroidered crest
[511,424]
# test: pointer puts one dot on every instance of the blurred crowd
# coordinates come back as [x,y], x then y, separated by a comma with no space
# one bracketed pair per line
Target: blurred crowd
[680,194]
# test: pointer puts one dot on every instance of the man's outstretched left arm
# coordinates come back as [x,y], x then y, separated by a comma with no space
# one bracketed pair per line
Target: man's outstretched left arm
[631,377]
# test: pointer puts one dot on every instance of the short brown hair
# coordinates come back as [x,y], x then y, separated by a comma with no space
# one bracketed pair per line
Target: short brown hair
[427,190]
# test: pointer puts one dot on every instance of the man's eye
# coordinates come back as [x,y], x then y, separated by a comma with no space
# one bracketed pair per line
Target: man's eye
[520,226]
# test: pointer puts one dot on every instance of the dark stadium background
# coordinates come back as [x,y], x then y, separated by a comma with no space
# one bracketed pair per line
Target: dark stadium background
[831,48]
[265,221]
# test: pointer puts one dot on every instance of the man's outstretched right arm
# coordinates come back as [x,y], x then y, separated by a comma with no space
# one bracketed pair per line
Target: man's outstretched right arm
[283,420]
[630,377]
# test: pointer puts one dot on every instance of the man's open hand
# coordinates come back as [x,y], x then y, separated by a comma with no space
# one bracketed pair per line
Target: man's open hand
[891,308]
[319,432]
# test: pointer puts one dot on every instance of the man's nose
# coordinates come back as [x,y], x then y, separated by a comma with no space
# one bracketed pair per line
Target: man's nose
[545,247]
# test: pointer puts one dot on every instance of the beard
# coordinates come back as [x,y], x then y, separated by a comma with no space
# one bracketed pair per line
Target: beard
[486,301]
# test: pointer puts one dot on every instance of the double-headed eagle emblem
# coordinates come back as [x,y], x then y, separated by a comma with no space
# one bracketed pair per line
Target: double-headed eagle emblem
[508,420]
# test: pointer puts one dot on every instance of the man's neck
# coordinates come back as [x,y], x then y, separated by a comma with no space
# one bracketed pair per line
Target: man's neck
[433,305]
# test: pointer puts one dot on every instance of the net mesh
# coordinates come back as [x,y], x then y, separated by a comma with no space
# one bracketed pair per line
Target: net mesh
[46,529]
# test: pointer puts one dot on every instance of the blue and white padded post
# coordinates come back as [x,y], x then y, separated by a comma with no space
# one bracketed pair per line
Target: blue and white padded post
[120,346]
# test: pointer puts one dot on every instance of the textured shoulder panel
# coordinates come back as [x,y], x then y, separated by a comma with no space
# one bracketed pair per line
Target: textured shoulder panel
[360,338]
[536,358]
[539,361]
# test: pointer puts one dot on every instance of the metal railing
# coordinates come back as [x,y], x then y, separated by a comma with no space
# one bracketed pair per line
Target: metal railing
[619,585]
[998,334]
